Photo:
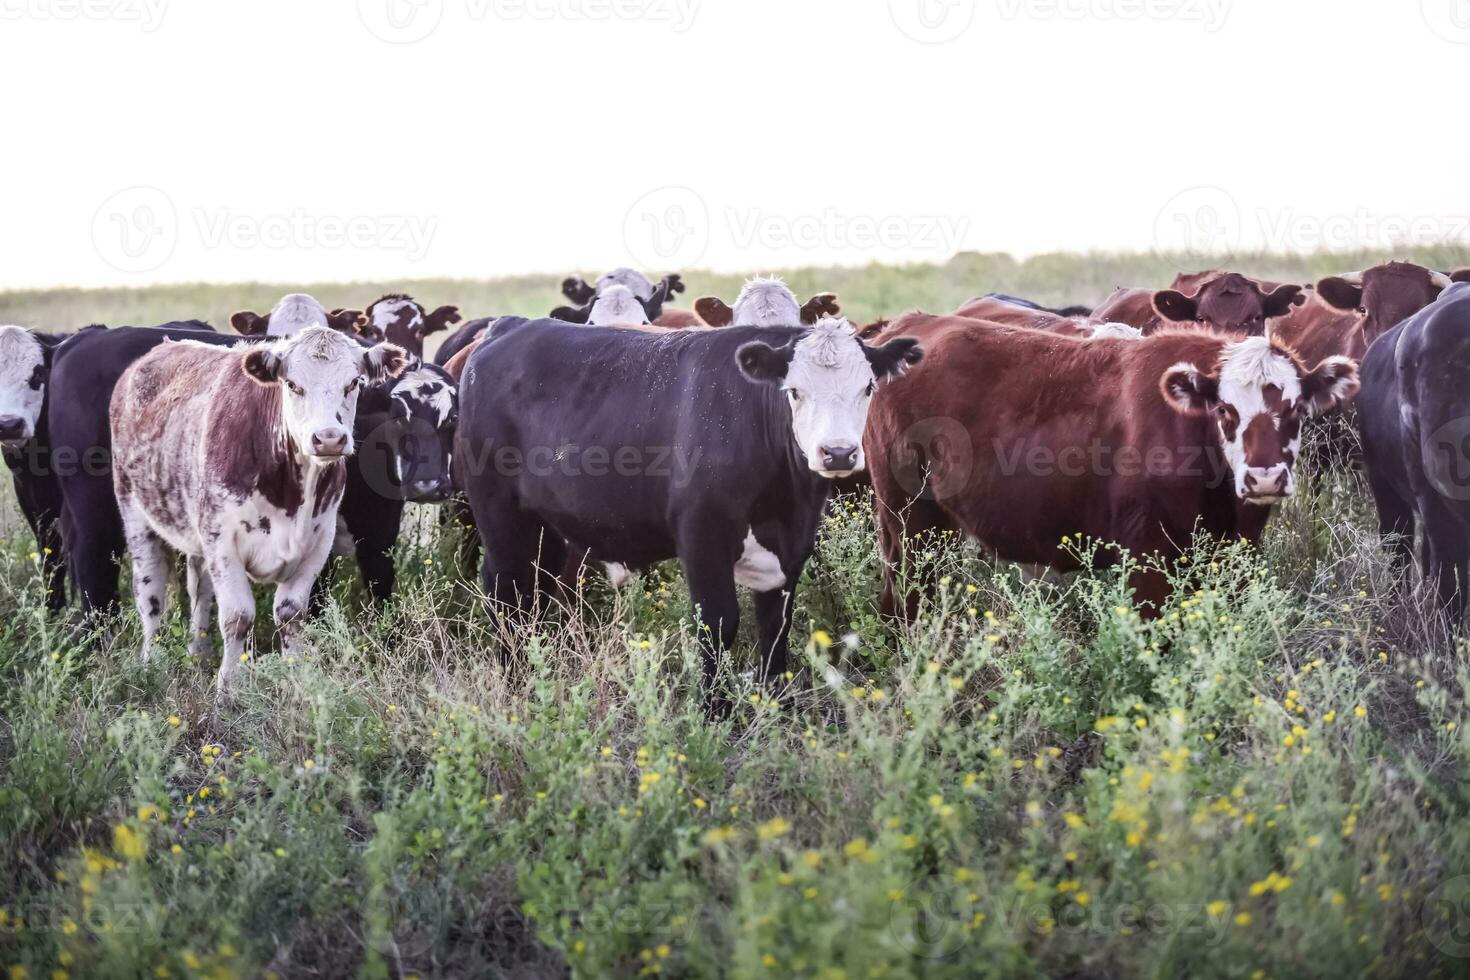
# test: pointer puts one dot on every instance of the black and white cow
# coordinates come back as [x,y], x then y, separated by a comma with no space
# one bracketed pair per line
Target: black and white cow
[713,447]
[405,433]
[237,458]
[400,319]
[580,293]
[626,299]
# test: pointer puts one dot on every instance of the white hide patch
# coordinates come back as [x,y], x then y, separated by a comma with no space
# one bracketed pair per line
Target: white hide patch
[766,303]
[758,569]
[20,356]
[420,386]
[829,385]
[294,313]
[385,313]
[630,279]
[1115,331]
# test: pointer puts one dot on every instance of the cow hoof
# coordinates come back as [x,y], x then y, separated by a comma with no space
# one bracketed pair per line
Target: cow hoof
[201,650]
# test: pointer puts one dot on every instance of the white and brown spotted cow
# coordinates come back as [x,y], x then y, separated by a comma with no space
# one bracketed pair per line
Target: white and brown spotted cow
[237,457]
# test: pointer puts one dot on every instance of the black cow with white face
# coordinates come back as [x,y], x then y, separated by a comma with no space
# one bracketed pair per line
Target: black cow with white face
[85,373]
[25,367]
[400,319]
[714,447]
[404,432]
[649,295]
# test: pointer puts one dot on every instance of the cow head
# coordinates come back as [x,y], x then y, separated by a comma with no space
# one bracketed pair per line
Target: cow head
[616,304]
[321,372]
[766,303]
[292,314]
[828,377]
[1230,303]
[423,413]
[402,320]
[649,295]
[1258,394]
[1383,296]
[24,367]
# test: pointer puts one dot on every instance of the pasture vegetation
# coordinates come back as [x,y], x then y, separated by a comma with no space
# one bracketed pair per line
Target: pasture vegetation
[1269,780]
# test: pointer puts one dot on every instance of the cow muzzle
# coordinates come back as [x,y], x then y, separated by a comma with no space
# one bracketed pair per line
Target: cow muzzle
[839,460]
[330,442]
[13,429]
[428,491]
[1266,484]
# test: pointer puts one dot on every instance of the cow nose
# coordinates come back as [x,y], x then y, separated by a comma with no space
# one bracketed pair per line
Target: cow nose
[329,442]
[839,457]
[429,490]
[12,426]
[1266,481]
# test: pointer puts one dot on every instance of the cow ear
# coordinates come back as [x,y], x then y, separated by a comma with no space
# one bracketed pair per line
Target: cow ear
[249,324]
[1460,275]
[714,311]
[383,361]
[1331,385]
[440,319]
[263,364]
[575,288]
[1189,390]
[1174,305]
[1279,301]
[350,322]
[820,305]
[762,362]
[894,357]
[569,315]
[1340,294]
[675,282]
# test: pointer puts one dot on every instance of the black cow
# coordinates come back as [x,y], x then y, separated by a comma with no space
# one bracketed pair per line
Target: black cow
[1031,305]
[1414,418]
[85,372]
[461,338]
[715,447]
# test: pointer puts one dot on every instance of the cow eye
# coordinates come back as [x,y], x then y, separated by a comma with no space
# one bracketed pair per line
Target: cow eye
[1362,311]
[351,386]
[795,395]
[295,388]
[1199,319]
[872,387]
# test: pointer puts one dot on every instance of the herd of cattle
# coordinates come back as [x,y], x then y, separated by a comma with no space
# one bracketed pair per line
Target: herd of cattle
[623,432]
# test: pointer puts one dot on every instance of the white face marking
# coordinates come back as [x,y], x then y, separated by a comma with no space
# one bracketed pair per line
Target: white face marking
[829,385]
[758,569]
[322,373]
[293,314]
[616,305]
[1119,331]
[631,279]
[387,312]
[21,357]
[1247,368]
[424,387]
[766,303]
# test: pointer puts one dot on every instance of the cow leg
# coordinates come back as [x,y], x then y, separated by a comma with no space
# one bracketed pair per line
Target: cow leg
[773,619]
[201,607]
[289,610]
[94,538]
[150,578]
[709,567]
[236,617]
[1447,543]
[374,546]
[895,529]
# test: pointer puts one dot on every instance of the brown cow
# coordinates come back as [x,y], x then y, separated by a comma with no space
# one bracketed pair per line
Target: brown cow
[237,458]
[1229,303]
[766,303]
[997,309]
[1135,443]
[679,320]
[1384,296]
[292,314]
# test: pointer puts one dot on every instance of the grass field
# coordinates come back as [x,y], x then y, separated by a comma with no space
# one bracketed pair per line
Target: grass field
[1272,779]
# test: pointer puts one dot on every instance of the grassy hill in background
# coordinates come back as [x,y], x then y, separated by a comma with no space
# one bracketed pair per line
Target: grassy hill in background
[867,292]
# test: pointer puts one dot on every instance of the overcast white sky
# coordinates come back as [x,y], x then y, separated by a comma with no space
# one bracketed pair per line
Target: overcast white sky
[290,141]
